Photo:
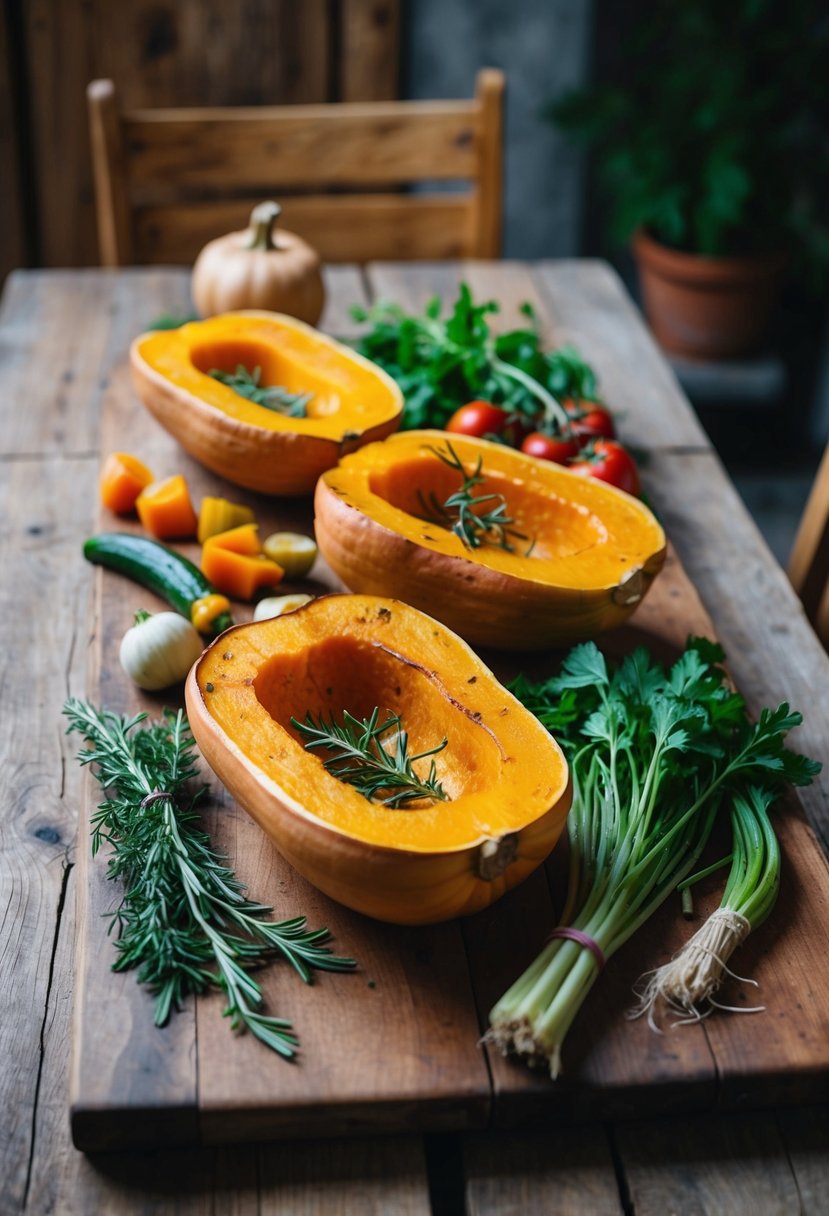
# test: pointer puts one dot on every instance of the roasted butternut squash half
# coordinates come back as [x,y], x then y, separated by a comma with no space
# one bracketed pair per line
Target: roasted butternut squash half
[574,558]
[326,399]
[502,781]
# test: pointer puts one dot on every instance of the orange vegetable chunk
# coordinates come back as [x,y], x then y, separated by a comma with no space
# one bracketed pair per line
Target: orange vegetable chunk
[123,477]
[166,510]
[236,565]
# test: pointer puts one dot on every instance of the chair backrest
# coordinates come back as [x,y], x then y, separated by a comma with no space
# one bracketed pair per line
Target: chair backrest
[168,180]
[808,566]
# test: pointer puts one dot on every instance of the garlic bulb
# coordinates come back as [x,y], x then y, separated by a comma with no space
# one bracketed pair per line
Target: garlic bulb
[159,650]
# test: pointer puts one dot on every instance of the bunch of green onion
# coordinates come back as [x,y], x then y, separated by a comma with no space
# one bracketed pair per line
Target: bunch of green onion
[656,754]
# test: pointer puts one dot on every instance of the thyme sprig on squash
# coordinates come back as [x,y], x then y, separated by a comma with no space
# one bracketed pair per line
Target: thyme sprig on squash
[359,758]
[184,922]
[272,396]
[462,511]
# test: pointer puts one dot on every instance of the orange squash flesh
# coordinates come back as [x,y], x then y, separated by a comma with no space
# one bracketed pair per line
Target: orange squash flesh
[166,509]
[506,779]
[588,556]
[353,401]
[235,563]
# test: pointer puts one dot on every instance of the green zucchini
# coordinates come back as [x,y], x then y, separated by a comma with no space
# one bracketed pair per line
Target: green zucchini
[169,574]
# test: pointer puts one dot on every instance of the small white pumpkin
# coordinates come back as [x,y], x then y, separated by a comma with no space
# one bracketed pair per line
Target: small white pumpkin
[259,269]
[159,649]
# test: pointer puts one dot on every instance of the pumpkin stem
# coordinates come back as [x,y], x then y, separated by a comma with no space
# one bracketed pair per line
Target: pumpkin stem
[262,220]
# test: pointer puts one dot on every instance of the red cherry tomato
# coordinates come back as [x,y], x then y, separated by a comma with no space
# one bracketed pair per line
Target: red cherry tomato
[478,418]
[589,420]
[608,461]
[549,447]
[483,420]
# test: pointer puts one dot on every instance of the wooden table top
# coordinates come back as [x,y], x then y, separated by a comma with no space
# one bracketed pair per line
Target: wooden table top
[64,336]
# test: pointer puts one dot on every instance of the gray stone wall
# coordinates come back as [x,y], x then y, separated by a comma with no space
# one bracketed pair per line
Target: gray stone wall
[543,48]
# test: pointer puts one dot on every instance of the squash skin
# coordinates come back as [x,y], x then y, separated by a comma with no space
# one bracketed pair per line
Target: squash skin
[249,445]
[492,599]
[507,807]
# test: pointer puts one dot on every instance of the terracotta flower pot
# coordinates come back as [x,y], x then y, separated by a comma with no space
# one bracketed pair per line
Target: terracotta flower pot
[708,308]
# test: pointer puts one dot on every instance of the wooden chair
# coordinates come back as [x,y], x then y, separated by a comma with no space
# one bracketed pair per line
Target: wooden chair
[168,180]
[809,559]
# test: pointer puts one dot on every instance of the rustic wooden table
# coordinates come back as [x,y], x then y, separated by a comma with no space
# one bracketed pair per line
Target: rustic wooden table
[63,342]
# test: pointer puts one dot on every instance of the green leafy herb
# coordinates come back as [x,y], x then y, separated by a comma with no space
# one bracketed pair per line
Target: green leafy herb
[359,757]
[462,513]
[654,754]
[272,397]
[441,364]
[184,921]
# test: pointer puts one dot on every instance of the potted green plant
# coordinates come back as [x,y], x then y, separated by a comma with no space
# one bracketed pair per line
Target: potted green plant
[713,153]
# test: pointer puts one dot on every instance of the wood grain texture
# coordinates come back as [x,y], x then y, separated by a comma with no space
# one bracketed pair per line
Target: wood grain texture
[772,652]
[13,250]
[402,226]
[195,52]
[567,1172]
[722,1166]
[589,307]
[755,610]
[369,65]
[805,1134]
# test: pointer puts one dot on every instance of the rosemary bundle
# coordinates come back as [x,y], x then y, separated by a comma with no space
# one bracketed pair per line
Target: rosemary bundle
[184,921]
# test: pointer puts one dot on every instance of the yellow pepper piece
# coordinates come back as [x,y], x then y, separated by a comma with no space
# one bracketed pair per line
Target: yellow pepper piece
[220,515]
[204,611]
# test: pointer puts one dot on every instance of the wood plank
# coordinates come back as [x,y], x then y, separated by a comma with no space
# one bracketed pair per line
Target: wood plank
[589,307]
[568,1171]
[722,1166]
[369,54]
[805,1133]
[342,228]
[353,144]
[372,1177]
[772,652]
[43,655]
[192,52]
[13,251]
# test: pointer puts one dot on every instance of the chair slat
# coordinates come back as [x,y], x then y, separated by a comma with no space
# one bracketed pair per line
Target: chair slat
[346,145]
[363,228]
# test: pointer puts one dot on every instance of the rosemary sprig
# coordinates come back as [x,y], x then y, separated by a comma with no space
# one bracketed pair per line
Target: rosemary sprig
[461,512]
[359,758]
[184,920]
[272,397]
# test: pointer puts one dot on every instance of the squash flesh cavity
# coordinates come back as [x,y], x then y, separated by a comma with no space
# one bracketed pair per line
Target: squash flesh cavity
[289,354]
[500,769]
[590,554]
[553,527]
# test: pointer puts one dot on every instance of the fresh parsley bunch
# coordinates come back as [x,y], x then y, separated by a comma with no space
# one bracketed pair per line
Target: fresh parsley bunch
[443,363]
[655,754]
